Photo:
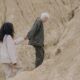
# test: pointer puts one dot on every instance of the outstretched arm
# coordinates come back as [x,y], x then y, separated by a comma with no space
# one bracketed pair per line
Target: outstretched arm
[19,40]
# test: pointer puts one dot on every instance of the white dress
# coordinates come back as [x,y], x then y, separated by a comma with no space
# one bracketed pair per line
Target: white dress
[8,49]
[8,54]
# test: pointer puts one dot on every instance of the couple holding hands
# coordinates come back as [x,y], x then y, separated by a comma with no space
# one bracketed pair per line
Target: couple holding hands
[35,37]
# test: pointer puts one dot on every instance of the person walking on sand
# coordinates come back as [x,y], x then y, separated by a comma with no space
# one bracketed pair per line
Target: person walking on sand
[36,37]
[8,56]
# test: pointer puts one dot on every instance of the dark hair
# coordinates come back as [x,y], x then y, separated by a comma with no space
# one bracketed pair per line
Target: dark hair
[6,29]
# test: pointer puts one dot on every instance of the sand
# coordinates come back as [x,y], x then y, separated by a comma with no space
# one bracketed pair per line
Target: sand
[62,39]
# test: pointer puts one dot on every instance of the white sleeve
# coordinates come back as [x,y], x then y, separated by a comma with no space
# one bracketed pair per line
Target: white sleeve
[19,40]
[11,49]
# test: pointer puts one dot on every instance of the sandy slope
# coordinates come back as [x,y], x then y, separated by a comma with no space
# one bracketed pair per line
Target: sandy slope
[61,36]
[66,66]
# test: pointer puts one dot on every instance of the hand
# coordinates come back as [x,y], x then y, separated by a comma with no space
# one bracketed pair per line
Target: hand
[14,65]
[14,68]
[25,38]
[27,41]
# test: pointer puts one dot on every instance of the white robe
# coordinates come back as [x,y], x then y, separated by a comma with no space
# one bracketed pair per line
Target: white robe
[8,50]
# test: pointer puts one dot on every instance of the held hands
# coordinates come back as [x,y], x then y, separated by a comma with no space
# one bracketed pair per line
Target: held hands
[27,41]
[14,66]
[25,38]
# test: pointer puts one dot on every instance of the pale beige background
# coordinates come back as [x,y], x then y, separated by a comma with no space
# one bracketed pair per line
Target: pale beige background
[62,31]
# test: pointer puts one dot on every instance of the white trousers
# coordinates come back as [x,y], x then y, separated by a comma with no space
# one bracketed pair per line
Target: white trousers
[8,71]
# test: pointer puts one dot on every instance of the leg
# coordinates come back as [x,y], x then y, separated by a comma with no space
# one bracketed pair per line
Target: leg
[7,71]
[39,55]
